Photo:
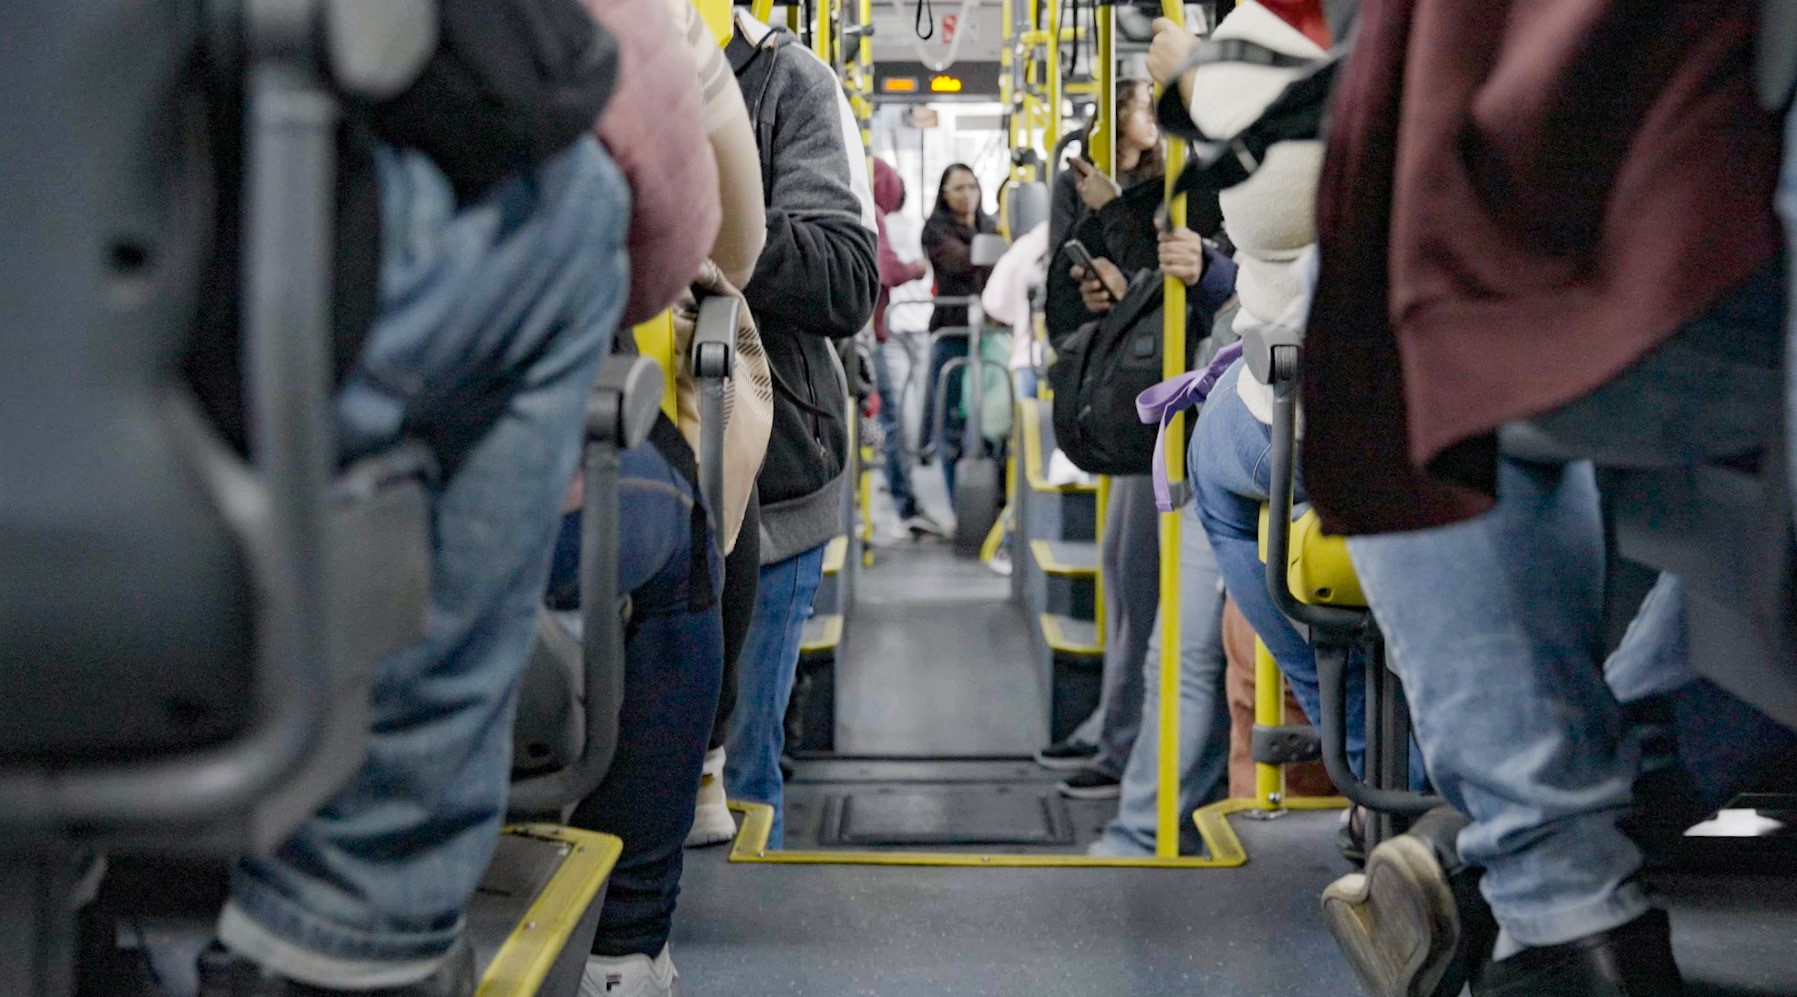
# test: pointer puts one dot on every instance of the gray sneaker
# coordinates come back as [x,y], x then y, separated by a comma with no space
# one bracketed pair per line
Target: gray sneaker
[1413,924]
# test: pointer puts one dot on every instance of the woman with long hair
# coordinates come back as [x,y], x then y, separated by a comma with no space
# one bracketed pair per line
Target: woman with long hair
[948,243]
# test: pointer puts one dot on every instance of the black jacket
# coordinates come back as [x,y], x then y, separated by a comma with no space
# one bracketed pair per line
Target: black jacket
[817,278]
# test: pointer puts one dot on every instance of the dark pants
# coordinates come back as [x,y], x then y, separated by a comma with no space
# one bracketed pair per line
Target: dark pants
[674,664]
[742,576]
[954,423]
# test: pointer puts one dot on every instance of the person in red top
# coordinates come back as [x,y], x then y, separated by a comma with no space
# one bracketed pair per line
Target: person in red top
[889,196]
[1550,222]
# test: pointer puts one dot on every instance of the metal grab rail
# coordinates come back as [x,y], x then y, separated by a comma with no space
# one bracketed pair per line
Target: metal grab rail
[620,412]
[1334,630]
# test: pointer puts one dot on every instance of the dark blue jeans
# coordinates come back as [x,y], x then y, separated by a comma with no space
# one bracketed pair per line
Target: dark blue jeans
[954,423]
[674,665]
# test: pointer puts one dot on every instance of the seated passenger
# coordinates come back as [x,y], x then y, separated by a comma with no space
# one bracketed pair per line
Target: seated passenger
[815,282]
[498,298]
[1516,284]
[676,104]
[1271,219]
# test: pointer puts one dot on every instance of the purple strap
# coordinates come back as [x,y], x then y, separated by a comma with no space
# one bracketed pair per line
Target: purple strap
[1171,397]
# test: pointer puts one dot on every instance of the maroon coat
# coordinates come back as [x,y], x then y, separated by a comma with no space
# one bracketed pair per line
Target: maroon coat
[1520,199]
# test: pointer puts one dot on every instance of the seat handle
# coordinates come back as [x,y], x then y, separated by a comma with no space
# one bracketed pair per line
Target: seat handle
[713,362]
[620,413]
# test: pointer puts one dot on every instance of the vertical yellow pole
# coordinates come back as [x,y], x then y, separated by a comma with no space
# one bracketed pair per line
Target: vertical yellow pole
[1102,509]
[1269,711]
[1007,56]
[1173,363]
[1051,125]
[1104,80]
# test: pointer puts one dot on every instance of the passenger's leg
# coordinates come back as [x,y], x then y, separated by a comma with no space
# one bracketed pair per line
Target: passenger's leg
[712,822]
[1131,565]
[1230,454]
[674,660]
[1787,207]
[765,673]
[1203,710]
[1494,627]
[892,420]
[493,325]
[946,436]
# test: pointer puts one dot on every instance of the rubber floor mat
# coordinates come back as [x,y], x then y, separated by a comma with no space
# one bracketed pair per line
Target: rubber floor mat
[946,816]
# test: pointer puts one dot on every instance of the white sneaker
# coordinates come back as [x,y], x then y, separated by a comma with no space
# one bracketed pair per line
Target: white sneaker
[1001,563]
[920,525]
[630,976]
[712,823]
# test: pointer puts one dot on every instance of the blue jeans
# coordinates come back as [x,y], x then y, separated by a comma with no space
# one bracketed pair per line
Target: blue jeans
[948,436]
[764,675]
[674,663]
[493,322]
[892,420]
[1494,626]
[1203,709]
[1230,473]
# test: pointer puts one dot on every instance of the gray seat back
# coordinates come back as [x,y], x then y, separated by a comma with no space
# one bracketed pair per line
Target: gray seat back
[171,633]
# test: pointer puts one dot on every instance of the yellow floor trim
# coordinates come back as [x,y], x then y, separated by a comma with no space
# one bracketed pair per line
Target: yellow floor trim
[1056,637]
[836,553]
[1050,564]
[824,637]
[758,820]
[530,951]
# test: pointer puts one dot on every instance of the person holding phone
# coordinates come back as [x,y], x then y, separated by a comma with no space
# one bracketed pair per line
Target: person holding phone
[1110,237]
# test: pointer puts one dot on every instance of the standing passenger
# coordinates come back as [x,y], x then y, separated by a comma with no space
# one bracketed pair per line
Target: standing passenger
[815,282]
[948,242]
[889,196]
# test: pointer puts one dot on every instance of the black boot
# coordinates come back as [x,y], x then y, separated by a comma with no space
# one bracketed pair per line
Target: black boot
[223,974]
[1634,960]
[1413,924]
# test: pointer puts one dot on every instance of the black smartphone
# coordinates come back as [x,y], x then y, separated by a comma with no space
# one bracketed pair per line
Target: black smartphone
[1083,257]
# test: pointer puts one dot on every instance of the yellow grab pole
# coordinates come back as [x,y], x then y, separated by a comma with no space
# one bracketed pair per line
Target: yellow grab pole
[1173,364]
[1269,711]
[1051,137]
[1104,81]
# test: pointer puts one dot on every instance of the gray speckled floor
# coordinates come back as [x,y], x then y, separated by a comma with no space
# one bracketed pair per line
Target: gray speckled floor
[821,931]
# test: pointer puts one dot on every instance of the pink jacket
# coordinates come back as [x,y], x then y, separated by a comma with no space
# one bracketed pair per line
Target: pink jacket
[655,130]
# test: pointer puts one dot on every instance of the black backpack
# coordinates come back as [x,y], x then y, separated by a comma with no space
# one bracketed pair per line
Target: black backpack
[1096,376]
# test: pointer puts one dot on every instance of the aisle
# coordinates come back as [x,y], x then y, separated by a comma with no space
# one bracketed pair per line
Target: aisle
[937,661]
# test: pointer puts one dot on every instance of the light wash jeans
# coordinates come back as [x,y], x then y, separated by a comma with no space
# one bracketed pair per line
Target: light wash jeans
[493,322]
[1495,624]
[1203,710]
[1231,479]
[765,671]
[892,423]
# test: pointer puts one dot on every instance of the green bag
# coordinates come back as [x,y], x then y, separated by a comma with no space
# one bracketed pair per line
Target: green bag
[995,385]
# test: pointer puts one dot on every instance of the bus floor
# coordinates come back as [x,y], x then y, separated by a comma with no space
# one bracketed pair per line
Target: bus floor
[846,931]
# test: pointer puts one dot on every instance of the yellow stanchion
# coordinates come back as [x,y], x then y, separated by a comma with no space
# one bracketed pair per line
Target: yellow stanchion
[1173,364]
[1269,711]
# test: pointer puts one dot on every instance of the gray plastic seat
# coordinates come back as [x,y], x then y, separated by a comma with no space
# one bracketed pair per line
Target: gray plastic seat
[185,634]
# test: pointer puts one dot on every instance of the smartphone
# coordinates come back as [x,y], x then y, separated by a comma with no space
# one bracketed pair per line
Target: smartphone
[1083,256]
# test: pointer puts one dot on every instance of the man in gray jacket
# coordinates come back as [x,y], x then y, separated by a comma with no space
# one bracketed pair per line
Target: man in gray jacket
[815,283]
